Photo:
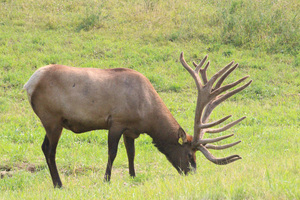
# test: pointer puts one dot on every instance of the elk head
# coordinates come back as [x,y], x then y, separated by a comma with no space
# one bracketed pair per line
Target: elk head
[210,95]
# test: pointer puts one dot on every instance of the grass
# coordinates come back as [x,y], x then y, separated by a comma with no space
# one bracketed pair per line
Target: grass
[148,36]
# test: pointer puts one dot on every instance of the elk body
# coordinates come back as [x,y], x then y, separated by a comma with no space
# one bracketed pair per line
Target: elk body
[124,102]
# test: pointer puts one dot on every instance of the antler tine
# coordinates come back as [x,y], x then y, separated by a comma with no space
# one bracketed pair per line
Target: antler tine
[219,83]
[208,125]
[203,71]
[198,67]
[229,86]
[218,161]
[191,71]
[217,139]
[218,74]
[224,128]
[222,98]
[195,64]
[215,147]
[195,73]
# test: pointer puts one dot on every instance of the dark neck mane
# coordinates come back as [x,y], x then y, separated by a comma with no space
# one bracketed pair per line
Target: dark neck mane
[169,148]
[165,133]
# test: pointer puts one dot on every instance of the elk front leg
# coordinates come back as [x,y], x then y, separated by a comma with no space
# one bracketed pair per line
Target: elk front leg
[114,136]
[49,149]
[130,148]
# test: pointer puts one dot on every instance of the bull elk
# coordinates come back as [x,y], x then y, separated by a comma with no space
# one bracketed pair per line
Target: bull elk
[124,102]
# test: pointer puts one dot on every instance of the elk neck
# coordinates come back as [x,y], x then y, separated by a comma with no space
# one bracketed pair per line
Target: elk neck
[164,131]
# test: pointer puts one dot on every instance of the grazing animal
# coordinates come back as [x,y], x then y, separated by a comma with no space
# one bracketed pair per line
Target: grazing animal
[124,102]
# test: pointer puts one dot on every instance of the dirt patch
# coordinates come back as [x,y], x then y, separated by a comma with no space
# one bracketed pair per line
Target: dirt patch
[28,167]
[5,173]
[8,171]
[5,170]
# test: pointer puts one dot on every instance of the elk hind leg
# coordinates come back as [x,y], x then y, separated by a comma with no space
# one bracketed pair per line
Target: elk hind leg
[49,149]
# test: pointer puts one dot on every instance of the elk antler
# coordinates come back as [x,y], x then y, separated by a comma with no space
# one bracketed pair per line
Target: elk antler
[208,98]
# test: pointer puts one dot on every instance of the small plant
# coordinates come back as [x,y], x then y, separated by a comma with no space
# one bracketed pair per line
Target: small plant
[150,4]
[92,20]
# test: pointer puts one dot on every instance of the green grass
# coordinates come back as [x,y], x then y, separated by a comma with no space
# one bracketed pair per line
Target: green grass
[148,36]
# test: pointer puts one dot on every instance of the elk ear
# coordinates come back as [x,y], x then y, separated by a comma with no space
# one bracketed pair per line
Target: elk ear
[181,136]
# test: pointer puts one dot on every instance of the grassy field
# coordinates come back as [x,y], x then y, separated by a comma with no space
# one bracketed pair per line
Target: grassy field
[148,36]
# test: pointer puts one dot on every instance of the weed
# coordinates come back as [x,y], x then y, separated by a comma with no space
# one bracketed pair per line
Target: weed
[92,19]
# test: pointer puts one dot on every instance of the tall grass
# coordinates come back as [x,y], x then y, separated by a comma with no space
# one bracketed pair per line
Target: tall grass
[269,25]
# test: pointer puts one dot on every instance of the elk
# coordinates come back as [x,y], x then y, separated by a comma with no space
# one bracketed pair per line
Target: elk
[124,102]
